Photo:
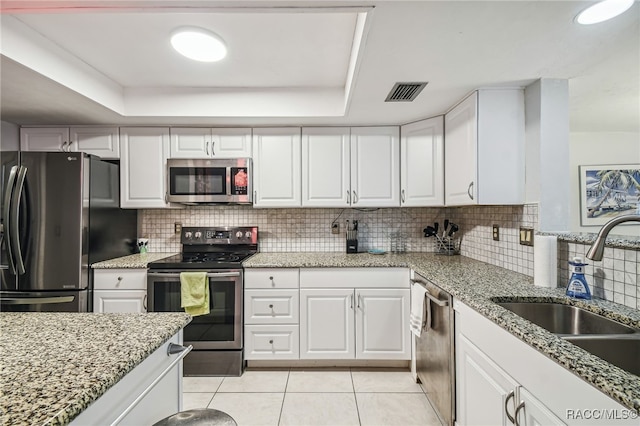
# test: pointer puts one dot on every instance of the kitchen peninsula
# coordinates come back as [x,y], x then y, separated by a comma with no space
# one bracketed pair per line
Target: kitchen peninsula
[55,366]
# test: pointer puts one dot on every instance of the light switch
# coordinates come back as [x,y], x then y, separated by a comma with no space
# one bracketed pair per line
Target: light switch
[526,236]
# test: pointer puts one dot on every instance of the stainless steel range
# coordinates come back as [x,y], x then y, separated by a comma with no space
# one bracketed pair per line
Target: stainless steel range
[216,337]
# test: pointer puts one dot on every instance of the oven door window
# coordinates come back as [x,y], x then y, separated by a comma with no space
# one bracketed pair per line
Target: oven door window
[217,326]
[198,181]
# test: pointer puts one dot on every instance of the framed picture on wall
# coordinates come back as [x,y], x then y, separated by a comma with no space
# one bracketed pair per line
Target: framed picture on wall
[608,191]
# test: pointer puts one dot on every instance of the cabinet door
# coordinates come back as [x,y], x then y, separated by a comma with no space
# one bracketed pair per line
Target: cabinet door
[460,154]
[44,138]
[101,141]
[143,165]
[116,301]
[188,142]
[326,167]
[327,324]
[276,167]
[230,143]
[422,163]
[375,167]
[534,412]
[482,388]
[382,324]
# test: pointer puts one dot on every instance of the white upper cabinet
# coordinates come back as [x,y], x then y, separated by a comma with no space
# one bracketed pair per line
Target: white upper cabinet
[143,165]
[198,142]
[326,167]
[375,167]
[422,163]
[350,167]
[100,141]
[276,167]
[484,149]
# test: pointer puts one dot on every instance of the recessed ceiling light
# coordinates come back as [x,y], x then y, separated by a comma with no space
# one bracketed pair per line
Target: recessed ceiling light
[603,11]
[198,44]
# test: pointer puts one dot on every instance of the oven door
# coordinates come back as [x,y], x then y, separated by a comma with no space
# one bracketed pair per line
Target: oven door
[222,327]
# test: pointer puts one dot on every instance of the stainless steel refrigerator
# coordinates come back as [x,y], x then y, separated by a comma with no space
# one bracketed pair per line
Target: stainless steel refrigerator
[60,213]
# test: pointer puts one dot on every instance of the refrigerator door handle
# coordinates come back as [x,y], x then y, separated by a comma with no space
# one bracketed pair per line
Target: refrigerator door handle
[36,300]
[14,234]
[8,196]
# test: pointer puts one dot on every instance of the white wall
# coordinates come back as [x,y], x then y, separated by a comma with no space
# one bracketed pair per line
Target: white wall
[600,148]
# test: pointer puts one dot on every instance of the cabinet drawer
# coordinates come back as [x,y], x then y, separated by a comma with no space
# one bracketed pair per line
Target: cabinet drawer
[120,279]
[271,342]
[271,306]
[271,278]
[354,278]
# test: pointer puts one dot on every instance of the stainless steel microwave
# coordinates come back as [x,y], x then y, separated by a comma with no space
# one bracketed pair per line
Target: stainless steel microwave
[209,181]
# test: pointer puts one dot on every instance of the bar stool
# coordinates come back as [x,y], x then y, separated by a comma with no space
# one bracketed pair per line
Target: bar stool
[198,417]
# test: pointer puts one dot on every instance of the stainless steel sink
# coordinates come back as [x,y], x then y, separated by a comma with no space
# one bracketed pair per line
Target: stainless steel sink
[622,351]
[565,319]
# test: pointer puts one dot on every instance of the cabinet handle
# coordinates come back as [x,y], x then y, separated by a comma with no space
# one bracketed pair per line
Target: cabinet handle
[119,281]
[63,145]
[273,283]
[213,152]
[358,300]
[166,198]
[506,406]
[271,342]
[207,148]
[470,190]
[270,306]
[520,407]
[355,197]
[255,196]
[402,194]
[144,302]
[348,197]
[351,300]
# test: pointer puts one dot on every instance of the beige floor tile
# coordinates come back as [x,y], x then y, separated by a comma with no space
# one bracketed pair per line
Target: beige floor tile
[250,408]
[311,409]
[384,381]
[201,384]
[402,409]
[320,381]
[256,381]
[195,400]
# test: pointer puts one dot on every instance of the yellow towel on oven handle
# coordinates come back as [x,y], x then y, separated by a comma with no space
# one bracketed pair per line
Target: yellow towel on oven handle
[194,293]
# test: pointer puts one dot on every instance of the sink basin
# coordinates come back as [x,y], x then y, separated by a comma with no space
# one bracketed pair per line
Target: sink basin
[566,319]
[622,352]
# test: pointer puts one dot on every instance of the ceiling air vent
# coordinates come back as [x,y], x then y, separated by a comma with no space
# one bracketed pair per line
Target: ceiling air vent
[405,92]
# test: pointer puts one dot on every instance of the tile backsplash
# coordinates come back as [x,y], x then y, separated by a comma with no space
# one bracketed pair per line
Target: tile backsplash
[309,230]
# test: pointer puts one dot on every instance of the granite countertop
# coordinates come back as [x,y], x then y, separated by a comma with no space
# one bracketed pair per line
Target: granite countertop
[628,242]
[140,260]
[54,365]
[476,284]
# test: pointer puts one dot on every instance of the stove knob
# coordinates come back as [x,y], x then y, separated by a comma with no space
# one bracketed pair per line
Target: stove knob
[198,235]
[247,234]
[187,235]
[239,234]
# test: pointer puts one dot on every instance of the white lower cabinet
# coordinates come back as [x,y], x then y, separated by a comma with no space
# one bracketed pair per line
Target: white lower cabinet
[271,314]
[126,402]
[120,290]
[500,378]
[355,322]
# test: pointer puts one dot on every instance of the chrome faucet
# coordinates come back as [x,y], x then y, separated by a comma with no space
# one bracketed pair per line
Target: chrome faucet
[597,248]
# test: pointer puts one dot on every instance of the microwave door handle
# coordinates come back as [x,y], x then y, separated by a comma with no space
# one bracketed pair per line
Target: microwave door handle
[7,227]
[15,218]
[229,177]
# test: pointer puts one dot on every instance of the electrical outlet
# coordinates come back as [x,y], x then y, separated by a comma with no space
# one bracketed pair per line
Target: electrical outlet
[335,228]
[177,227]
[496,233]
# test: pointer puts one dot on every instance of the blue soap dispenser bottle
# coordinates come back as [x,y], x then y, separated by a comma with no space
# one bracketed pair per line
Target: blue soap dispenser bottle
[578,286]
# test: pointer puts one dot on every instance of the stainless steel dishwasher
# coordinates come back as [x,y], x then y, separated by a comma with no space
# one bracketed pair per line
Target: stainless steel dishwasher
[435,357]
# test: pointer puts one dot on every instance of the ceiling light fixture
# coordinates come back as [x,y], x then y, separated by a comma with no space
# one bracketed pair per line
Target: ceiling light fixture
[603,11]
[198,44]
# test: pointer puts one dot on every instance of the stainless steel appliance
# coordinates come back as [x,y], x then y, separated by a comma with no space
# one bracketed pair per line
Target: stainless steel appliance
[216,337]
[60,213]
[209,181]
[435,357]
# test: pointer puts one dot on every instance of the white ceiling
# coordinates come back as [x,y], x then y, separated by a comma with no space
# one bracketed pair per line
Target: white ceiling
[307,63]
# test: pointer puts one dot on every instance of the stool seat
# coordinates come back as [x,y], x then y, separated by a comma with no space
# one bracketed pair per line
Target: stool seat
[198,417]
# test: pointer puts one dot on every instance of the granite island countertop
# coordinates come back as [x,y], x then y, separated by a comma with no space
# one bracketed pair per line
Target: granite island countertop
[478,284]
[54,365]
[139,260]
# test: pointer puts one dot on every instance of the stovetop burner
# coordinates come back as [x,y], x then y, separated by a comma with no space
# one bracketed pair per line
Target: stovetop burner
[212,248]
